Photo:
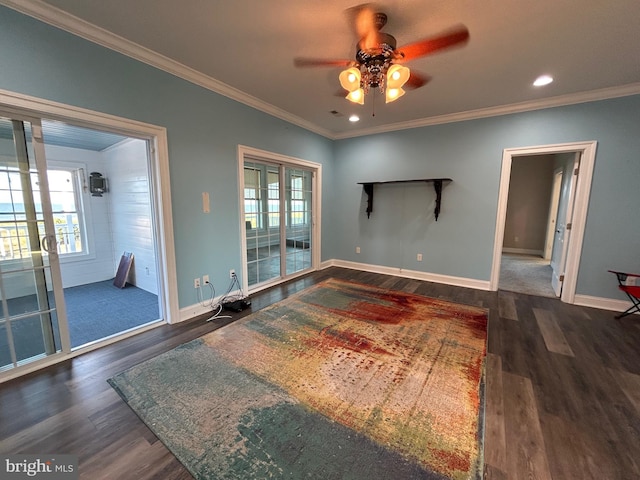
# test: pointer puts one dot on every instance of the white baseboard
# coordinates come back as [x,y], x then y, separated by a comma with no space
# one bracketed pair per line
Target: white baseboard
[414,274]
[602,303]
[523,251]
[196,310]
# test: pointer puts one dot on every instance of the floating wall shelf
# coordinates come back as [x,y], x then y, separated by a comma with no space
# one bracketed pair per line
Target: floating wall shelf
[437,185]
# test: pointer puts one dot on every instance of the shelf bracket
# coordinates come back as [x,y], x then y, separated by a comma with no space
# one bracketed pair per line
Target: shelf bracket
[437,185]
[368,189]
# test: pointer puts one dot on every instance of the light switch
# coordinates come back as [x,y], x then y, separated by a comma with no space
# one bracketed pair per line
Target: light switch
[206,208]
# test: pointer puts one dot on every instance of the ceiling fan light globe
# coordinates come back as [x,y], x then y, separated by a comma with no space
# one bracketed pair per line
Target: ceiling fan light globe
[397,76]
[356,96]
[392,94]
[350,79]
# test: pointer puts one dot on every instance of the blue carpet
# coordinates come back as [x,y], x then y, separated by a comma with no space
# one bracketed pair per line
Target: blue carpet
[94,311]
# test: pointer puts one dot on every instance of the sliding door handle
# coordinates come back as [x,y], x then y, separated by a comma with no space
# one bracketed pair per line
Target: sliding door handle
[48,243]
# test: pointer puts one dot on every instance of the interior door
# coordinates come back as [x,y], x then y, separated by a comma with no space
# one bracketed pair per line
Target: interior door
[563,226]
[32,316]
[553,215]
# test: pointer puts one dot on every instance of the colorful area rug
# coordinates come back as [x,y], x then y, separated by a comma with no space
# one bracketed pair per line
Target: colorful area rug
[341,380]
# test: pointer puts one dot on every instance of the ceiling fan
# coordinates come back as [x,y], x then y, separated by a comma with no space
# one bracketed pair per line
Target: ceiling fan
[378,62]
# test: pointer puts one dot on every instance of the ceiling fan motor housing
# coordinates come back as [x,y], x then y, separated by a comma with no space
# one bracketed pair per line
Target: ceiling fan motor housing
[374,63]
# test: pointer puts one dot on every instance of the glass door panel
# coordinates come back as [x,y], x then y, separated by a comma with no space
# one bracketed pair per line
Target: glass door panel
[298,194]
[262,221]
[278,220]
[29,327]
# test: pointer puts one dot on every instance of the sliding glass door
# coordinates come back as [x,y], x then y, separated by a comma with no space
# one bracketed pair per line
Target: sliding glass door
[299,219]
[32,316]
[278,219]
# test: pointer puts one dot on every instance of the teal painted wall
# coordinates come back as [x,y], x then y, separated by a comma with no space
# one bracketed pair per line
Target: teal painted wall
[204,130]
[461,242]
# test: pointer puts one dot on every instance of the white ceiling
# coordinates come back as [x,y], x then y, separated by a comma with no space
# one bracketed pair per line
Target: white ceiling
[245,49]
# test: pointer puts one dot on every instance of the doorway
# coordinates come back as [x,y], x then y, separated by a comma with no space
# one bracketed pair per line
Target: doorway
[99,185]
[578,187]
[532,207]
[279,203]
[58,235]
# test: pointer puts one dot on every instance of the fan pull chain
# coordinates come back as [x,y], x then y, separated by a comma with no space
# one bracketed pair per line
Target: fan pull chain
[373,103]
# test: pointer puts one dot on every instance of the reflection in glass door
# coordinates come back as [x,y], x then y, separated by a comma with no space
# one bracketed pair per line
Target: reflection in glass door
[30,322]
[278,220]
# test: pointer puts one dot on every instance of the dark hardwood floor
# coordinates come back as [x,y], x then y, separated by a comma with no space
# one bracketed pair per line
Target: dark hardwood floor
[563,391]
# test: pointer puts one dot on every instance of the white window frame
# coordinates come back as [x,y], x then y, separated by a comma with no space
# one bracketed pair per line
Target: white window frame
[83,208]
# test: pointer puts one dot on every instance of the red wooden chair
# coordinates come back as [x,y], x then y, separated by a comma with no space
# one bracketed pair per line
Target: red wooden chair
[632,291]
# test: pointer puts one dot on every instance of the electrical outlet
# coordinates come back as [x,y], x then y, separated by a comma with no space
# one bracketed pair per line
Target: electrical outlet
[232,273]
[357,249]
[196,283]
[205,279]
[419,257]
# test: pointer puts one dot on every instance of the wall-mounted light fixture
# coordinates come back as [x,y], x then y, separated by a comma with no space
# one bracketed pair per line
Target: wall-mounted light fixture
[97,184]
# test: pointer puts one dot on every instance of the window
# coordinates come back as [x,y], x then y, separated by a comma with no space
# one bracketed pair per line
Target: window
[252,198]
[67,214]
[14,232]
[261,205]
[273,180]
[298,213]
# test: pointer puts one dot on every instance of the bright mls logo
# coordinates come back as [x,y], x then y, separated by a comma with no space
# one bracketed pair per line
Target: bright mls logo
[50,467]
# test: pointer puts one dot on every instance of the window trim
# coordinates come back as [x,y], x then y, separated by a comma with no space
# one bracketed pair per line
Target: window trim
[83,208]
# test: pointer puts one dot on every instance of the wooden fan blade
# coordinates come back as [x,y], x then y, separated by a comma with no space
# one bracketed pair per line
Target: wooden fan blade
[456,36]
[366,25]
[416,80]
[321,62]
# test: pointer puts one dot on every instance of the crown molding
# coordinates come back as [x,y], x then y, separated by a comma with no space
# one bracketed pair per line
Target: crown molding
[81,28]
[559,101]
[88,31]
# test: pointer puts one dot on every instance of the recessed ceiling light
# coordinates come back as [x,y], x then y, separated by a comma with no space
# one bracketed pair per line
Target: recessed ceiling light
[543,80]
[354,118]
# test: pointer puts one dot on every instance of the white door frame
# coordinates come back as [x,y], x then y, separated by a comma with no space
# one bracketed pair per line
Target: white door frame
[250,153]
[19,104]
[583,188]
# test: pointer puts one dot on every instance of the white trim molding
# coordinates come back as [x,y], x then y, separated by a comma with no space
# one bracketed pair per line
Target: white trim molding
[88,31]
[12,102]
[601,303]
[579,218]
[559,101]
[523,251]
[413,274]
[17,104]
